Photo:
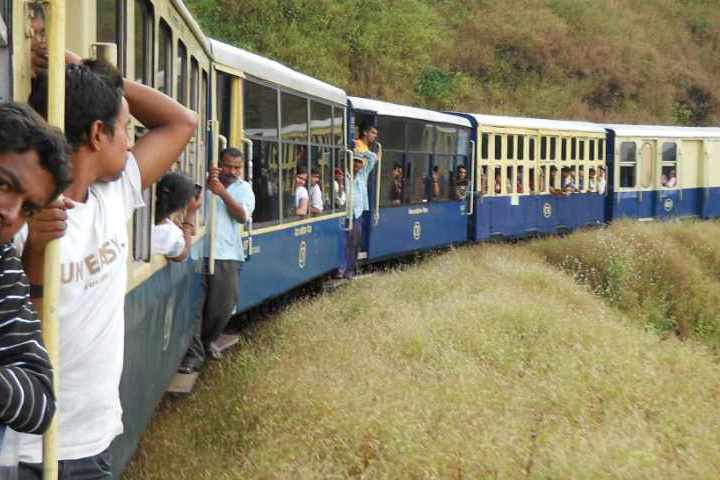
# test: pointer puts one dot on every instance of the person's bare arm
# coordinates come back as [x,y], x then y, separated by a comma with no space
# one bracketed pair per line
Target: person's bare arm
[170,127]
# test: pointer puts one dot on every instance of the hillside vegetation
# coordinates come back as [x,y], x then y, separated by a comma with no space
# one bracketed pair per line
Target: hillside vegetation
[481,363]
[650,61]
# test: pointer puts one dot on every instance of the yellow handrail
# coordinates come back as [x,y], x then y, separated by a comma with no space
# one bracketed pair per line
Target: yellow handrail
[56,116]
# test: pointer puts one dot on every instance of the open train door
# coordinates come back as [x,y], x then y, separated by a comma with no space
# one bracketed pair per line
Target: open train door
[710,198]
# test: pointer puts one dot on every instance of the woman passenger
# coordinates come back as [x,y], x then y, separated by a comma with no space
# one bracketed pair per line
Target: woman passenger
[175,193]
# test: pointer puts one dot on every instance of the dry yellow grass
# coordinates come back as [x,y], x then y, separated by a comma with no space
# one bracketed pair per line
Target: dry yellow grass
[484,362]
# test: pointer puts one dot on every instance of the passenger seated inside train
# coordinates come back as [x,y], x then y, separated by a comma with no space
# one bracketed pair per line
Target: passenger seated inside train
[302,197]
[340,198]
[397,186]
[498,182]
[519,181]
[568,181]
[177,202]
[601,181]
[316,195]
[461,182]
[434,184]
[669,179]
[591,180]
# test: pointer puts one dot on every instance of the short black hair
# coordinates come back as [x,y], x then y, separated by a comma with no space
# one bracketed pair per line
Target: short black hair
[93,92]
[233,152]
[300,170]
[23,130]
[366,126]
[461,166]
[174,191]
[397,166]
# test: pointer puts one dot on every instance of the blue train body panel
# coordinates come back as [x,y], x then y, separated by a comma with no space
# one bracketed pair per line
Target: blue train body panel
[664,204]
[285,259]
[498,217]
[410,228]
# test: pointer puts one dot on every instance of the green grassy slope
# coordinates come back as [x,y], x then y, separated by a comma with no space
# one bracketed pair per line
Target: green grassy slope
[617,60]
[484,362]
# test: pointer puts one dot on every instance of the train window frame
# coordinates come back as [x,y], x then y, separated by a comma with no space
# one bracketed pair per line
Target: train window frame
[544,148]
[521,147]
[147,42]
[165,55]
[668,163]
[510,147]
[326,172]
[626,164]
[484,146]
[181,77]
[120,28]
[497,142]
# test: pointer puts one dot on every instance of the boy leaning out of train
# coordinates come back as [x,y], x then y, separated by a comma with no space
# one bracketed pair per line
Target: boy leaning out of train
[108,180]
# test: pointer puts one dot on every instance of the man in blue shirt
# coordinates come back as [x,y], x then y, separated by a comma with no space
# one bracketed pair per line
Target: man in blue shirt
[234,205]
[363,164]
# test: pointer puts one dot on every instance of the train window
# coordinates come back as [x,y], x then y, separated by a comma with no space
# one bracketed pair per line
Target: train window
[441,178]
[628,152]
[321,157]
[519,183]
[601,149]
[510,151]
[143,45]
[521,147]
[391,133]
[628,165]
[164,73]
[420,136]
[340,200]
[592,150]
[498,147]
[497,181]
[531,149]
[339,128]
[553,148]
[392,187]
[581,145]
[669,152]
[484,146]
[181,94]
[563,149]
[580,184]
[193,102]
[142,224]
[509,180]
[417,173]
[543,148]
[446,140]
[320,179]
[202,135]
[294,118]
[573,148]
[260,111]
[532,181]
[542,180]
[260,119]
[463,142]
[484,180]
[223,92]
[110,16]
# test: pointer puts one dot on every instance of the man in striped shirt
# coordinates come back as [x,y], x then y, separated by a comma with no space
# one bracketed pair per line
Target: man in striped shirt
[34,169]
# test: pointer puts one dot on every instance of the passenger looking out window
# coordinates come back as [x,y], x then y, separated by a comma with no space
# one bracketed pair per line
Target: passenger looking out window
[316,195]
[568,181]
[591,180]
[397,185]
[302,197]
[339,189]
[669,178]
[461,182]
[519,182]
[601,181]
[364,142]
[498,181]
[175,193]
[433,184]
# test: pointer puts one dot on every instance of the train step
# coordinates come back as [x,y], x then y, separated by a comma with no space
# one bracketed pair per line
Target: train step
[183,383]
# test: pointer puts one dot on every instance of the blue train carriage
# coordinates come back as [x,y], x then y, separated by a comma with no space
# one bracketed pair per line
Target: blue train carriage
[420,191]
[536,176]
[289,123]
[660,172]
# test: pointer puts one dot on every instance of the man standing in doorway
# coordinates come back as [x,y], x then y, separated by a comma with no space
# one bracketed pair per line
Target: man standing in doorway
[234,205]
[364,161]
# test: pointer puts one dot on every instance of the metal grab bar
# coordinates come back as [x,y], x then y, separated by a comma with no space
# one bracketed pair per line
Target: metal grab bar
[378,181]
[249,175]
[349,189]
[471,210]
[51,266]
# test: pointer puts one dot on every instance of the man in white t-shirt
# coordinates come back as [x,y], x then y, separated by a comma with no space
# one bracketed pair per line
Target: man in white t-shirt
[106,189]
[316,196]
[302,198]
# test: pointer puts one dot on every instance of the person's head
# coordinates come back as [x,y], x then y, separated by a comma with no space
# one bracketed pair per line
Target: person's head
[461,172]
[314,178]
[591,173]
[232,165]
[601,172]
[358,163]
[37,24]
[96,114]
[339,176]
[397,170]
[174,191]
[368,133]
[34,166]
[673,173]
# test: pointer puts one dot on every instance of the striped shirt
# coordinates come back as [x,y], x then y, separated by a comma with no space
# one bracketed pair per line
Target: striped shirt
[26,398]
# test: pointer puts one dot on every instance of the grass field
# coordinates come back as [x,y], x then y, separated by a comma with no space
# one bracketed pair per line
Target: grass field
[484,362]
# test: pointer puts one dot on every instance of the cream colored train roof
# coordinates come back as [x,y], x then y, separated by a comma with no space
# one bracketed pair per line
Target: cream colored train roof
[663,131]
[275,72]
[536,123]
